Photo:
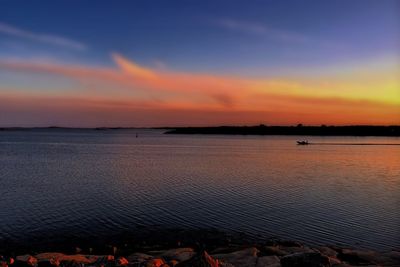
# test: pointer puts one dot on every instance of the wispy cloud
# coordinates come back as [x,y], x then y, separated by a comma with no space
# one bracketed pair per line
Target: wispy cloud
[88,111]
[266,31]
[262,30]
[41,37]
[131,86]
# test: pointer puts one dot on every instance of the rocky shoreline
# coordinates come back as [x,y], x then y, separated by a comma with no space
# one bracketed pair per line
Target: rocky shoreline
[271,253]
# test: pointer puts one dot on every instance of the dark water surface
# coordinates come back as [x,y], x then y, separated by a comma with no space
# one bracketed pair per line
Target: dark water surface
[89,183]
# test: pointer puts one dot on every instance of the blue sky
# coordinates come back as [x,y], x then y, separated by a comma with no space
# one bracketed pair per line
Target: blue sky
[208,36]
[266,59]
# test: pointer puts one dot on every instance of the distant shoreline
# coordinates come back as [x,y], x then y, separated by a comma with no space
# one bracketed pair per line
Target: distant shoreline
[350,130]
[393,131]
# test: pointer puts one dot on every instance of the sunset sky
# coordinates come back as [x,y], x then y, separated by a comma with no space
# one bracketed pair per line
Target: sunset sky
[191,63]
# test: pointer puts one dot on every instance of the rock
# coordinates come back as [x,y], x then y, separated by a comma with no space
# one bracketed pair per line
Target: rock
[49,255]
[357,257]
[307,259]
[327,251]
[121,261]
[367,257]
[155,262]
[268,261]
[173,263]
[283,251]
[23,257]
[4,262]
[78,258]
[30,260]
[54,259]
[334,261]
[274,250]
[139,257]
[179,254]
[292,250]
[201,259]
[391,258]
[244,258]
[289,243]
[101,260]
[226,249]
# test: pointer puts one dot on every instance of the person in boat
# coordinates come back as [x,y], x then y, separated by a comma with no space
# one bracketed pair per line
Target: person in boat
[302,142]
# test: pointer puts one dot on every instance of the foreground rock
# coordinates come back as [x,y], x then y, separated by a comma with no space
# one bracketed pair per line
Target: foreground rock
[275,254]
[178,254]
[268,261]
[305,259]
[368,257]
[245,258]
[59,259]
[201,259]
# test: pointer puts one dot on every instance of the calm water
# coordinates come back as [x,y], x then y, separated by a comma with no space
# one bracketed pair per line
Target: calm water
[90,182]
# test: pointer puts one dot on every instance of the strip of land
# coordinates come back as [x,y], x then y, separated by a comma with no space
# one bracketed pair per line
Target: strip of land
[357,130]
[292,130]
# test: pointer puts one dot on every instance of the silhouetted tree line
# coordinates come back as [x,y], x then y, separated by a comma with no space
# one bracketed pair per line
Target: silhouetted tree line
[300,129]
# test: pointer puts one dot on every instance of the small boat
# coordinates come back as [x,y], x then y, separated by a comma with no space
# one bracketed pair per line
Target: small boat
[302,142]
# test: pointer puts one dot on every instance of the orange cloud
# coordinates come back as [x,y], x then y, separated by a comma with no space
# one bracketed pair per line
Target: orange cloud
[100,111]
[223,91]
[272,101]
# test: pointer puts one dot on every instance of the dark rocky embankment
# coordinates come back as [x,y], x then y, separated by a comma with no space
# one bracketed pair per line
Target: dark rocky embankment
[270,253]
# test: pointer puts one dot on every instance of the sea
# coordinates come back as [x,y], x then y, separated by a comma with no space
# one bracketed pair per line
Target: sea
[90,183]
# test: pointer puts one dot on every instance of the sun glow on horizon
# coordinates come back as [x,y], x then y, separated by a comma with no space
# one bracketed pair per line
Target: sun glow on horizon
[330,99]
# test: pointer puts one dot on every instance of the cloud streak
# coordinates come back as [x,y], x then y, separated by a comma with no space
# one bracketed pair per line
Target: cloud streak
[262,30]
[34,110]
[41,37]
[220,91]
[132,88]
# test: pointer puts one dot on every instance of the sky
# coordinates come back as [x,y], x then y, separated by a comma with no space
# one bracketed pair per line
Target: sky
[199,63]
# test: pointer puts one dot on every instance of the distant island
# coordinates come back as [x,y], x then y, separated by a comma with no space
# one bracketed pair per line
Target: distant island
[323,130]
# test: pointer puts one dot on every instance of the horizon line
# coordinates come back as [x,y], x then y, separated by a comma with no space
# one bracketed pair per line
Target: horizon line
[209,126]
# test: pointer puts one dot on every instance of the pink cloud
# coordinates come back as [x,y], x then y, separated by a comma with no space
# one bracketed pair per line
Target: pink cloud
[171,92]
